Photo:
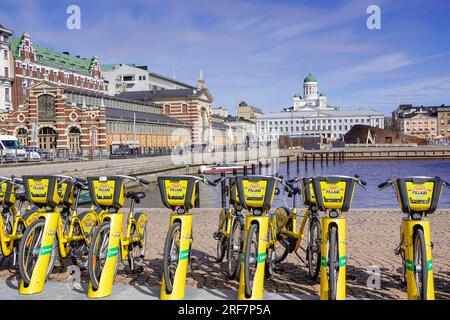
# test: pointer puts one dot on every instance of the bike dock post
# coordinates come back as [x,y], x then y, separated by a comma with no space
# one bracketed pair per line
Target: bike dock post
[327,222]
[39,274]
[107,277]
[179,281]
[409,227]
[258,282]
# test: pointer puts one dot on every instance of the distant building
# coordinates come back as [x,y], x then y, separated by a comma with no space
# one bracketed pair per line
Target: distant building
[124,77]
[192,106]
[444,123]
[420,125]
[33,63]
[248,112]
[6,69]
[364,134]
[333,124]
[243,130]
[220,112]
[408,110]
[312,99]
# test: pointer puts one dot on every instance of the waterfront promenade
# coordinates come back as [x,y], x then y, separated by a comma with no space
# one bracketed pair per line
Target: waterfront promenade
[372,236]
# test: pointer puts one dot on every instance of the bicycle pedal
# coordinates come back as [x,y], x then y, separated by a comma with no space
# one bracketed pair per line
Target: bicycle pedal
[397,251]
[217,235]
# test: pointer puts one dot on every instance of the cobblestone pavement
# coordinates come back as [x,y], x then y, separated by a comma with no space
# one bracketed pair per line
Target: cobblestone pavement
[371,237]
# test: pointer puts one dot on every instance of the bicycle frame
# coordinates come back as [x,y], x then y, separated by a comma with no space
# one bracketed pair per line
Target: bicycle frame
[408,227]
[340,223]
[186,240]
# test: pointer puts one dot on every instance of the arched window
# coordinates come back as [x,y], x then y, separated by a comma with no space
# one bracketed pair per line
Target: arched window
[46,108]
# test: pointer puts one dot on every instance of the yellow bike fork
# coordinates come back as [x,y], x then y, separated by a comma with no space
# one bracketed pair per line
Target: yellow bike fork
[258,281]
[324,281]
[179,281]
[408,227]
[107,276]
[38,276]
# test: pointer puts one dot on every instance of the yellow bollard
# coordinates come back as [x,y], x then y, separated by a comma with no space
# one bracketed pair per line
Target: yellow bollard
[179,282]
[408,227]
[258,282]
[324,281]
[109,270]
[38,276]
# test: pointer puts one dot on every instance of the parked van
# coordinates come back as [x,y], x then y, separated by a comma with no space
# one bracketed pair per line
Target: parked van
[11,149]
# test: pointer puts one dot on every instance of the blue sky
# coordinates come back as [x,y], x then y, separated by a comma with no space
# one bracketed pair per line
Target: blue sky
[260,51]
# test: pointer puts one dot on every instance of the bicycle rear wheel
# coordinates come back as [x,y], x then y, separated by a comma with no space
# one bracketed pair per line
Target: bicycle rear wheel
[235,248]
[420,263]
[171,255]
[251,259]
[333,264]
[313,251]
[281,246]
[30,249]
[136,250]
[98,254]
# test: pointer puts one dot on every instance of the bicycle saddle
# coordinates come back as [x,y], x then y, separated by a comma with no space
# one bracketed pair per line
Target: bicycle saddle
[21,197]
[136,196]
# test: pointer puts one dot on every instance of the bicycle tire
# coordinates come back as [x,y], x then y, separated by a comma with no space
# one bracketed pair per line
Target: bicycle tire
[249,278]
[23,257]
[100,236]
[314,246]
[168,246]
[235,248]
[420,259]
[221,248]
[281,246]
[333,264]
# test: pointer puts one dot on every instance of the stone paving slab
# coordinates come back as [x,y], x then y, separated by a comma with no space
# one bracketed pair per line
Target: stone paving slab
[372,236]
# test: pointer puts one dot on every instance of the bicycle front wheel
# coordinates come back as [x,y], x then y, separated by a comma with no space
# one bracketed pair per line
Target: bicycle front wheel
[333,264]
[30,250]
[251,259]
[420,263]
[98,254]
[235,248]
[171,255]
[313,251]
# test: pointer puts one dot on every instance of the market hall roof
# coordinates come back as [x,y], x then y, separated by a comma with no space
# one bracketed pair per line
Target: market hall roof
[54,58]
[120,114]
[162,94]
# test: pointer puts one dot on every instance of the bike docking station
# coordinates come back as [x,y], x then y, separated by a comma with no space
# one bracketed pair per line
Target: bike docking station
[108,194]
[334,194]
[417,197]
[179,194]
[42,191]
[256,194]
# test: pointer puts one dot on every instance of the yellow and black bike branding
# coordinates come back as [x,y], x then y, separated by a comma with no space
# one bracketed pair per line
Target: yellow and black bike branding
[178,191]
[7,195]
[88,222]
[420,195]
[42,190]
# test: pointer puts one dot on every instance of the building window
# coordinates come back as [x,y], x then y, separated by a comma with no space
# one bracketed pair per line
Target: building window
[46,108]
[6,72]
[6,54]
[7,99]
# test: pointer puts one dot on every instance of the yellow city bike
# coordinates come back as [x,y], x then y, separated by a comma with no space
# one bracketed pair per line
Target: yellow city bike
[110,244]
[256,194]
[288,238]
[13,223]
[230,233]
[58,230]
[179,194]
[334,195]
[417,197]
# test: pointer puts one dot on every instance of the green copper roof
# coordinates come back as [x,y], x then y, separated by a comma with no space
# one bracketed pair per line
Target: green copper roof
[310,78]
[54,58]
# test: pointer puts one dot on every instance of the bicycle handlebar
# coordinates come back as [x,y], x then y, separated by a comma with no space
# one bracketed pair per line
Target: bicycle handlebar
[385,184]
[135,179]
[446,184]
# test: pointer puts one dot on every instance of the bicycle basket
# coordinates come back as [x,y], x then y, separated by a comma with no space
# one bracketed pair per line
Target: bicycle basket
[233,192]
[7,195]
[333,192]
[419,194]
[42,190]
[107,192]
[308,192]
[178,191]
[67,193]
[256,192]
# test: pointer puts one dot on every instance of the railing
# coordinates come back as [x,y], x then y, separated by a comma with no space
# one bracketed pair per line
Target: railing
[381,145]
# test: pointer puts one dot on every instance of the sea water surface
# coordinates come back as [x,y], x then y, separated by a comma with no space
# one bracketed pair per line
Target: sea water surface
[373,172]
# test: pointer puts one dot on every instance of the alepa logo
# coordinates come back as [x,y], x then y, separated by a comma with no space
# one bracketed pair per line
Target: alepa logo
[88,222]
[332,189]
[254,188]
[104,188]
[176,188]
[38,186]
[420,191]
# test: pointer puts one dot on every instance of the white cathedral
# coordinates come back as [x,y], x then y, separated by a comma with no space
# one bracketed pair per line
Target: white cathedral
[312,99]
